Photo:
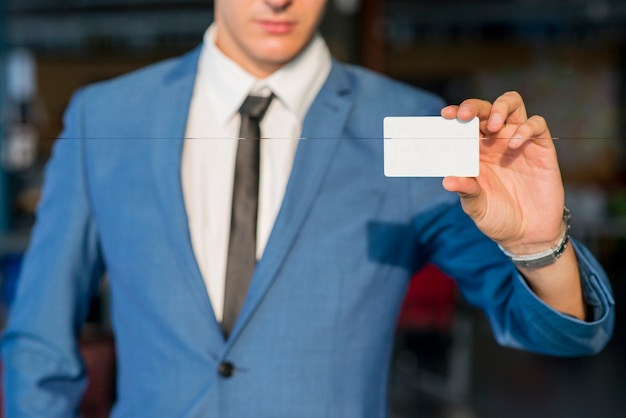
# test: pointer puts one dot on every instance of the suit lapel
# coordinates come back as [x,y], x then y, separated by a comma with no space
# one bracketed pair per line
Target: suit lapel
[322,131]
[169,122]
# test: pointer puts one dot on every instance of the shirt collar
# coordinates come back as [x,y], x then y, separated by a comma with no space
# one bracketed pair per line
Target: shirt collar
[295,85]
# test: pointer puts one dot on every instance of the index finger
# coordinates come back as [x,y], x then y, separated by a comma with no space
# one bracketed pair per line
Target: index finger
[509,107]
[468,110]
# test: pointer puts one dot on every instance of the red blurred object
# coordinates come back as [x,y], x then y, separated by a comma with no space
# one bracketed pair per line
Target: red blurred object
[433,352]
[99,357]
[430,302]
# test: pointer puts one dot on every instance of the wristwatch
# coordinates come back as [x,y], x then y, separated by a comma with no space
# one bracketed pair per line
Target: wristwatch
[545,257]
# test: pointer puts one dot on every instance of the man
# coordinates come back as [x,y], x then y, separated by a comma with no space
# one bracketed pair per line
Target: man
[336,244]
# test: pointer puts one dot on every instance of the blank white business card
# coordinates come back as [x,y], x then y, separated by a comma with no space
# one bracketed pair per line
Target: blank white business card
[430,146]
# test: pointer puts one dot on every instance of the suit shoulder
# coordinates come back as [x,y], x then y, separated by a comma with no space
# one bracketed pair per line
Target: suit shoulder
[141,81]
[371,85]
[376,93]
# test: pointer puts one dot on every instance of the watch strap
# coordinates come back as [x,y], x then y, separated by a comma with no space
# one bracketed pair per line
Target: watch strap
[545,257]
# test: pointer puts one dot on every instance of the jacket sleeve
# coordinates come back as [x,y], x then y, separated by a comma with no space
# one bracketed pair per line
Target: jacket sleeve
[518,318]
[43,374]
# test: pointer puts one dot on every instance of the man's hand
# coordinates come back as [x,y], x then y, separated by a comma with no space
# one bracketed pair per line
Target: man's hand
[517,200]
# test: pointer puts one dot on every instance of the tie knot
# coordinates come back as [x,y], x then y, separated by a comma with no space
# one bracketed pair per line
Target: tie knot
[255,106]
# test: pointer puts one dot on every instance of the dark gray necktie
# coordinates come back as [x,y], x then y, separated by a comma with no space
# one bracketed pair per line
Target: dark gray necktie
[242,244]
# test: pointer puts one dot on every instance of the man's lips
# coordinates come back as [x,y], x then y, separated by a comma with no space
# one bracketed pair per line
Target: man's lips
[276,27]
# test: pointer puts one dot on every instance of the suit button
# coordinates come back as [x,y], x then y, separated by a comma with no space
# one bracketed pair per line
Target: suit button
[226,369]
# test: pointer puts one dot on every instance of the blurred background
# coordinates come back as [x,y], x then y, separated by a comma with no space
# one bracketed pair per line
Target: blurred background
[568,60]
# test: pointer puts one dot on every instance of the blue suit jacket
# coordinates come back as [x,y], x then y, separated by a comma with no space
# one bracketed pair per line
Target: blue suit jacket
[315,334]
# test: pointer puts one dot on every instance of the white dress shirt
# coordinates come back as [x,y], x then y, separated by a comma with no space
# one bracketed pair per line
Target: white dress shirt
[208,159]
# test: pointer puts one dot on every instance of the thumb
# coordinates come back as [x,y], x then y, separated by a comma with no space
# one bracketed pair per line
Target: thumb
[466,187]
[469,190]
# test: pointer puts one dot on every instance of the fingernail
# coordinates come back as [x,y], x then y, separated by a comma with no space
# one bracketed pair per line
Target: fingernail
[515,141]
[495,120]
[465,107]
